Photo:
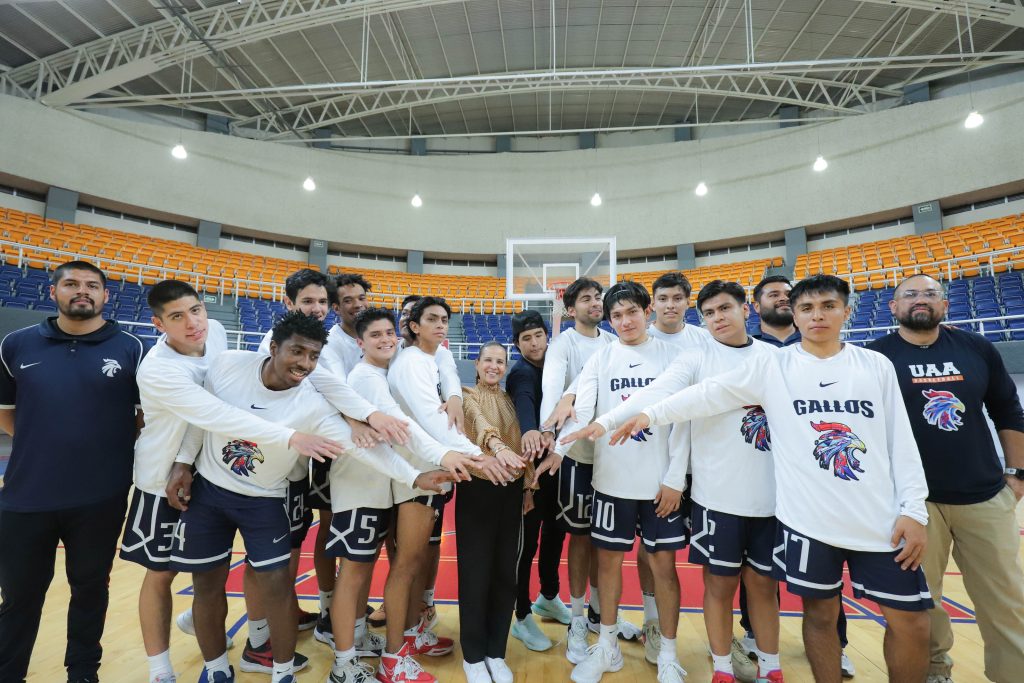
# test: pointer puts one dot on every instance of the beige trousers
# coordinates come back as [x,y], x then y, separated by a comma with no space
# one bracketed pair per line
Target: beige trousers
[986,540]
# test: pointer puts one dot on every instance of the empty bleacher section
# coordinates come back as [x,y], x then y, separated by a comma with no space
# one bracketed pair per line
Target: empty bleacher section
[747,273]
[465,293]
[987,247]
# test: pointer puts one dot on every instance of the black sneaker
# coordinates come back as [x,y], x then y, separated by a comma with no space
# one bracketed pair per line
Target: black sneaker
[324,631]
[308,620]
[261,659]
[88,678]
[593,620]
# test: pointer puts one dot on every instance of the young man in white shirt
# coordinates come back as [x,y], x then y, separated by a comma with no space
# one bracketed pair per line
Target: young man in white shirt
[170,382]
[637,492]
[362,502]
[850,484]
[241,486]
[733,491]
[670,298]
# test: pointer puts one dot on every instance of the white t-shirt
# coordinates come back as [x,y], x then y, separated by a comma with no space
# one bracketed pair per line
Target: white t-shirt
[353,484]
[172,396]
[685,338]
[237,461]
[730,453]
[563,362]
[637,469]
[842,415]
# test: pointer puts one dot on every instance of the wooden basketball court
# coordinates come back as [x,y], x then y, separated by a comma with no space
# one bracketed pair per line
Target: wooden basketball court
[124,659]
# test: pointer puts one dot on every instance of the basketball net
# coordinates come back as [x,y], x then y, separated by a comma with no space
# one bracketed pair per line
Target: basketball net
[557,307]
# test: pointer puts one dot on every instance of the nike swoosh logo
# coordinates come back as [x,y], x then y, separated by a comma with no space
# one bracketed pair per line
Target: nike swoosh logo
[278,540]
[826,384]
[633,365]
[672,519]
[23,365]
[256,407]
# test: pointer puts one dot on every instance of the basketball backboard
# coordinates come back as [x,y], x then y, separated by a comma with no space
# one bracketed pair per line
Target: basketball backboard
[533,266]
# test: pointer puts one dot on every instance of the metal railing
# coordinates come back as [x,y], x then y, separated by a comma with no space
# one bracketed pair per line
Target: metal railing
[845,334]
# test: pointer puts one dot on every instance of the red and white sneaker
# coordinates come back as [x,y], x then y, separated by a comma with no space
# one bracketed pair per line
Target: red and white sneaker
[426,642]
[771,677]
[402,668]
[721,677]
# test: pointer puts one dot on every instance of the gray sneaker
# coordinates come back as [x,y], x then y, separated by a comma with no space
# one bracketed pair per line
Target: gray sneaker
[531,635]
[743,668]
[939,678]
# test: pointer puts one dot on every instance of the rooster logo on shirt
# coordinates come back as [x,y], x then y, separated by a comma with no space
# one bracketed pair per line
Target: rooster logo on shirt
[836,446]
[754,428]
[941,409]
[242,456]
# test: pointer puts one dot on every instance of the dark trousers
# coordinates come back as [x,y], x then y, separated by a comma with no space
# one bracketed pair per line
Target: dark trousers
[488,535]
[28,548]
[540,521]
[745,618]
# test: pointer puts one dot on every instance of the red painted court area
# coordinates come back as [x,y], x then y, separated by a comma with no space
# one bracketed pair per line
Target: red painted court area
[447,591]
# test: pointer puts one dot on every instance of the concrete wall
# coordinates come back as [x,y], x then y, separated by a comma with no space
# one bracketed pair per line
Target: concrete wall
[878,162]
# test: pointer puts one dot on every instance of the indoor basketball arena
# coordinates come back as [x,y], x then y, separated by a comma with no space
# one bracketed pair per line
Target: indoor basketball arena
[406,341]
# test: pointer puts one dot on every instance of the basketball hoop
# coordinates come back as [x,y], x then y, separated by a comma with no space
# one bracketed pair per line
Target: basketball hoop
[558,288]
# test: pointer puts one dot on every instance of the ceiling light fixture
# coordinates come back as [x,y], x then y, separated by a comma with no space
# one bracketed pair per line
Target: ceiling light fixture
[309,184]
[417,201]
[702,189]
[820,164]
[973,120]
[179,152]
[596,200]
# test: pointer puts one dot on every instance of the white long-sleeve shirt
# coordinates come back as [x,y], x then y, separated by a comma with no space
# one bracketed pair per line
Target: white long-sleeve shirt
[635,470]
[353,484]
[563,363]
[686,338]
[842,415]
[236,461]
[172,396]
[450,383]
[332,385]
[730,453]
[341,353]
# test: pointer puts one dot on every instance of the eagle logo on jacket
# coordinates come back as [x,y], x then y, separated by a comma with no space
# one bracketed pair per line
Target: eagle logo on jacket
[941,409]
[836,447]
[242,456]
[754,428]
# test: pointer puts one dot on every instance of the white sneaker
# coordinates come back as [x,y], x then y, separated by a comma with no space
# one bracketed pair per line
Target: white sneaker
[748,645]
[743,668]
[370,645]
[552,609]
[652,641]
[476,673]
[186,625]
[939,678]
[165,678]
[628,630]
[531,635]
[352,671]
[600,660]
[500,673]
[576,640]
[671,672]
[846,664]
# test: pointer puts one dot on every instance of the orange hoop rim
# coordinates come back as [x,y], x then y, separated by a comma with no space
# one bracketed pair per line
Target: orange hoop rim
[559,287]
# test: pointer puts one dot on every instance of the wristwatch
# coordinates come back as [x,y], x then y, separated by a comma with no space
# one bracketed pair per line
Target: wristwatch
[1017,472]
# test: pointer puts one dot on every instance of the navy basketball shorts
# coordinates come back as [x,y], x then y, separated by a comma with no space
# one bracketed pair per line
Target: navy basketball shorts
[356,535]
[206,531]
[319,497]
[299,513]
[724,543]
[149,531]
[813,569]
[436,501]
[616,522]
[575,495]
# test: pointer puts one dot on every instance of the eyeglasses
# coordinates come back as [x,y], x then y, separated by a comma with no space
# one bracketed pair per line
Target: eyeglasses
[929,294]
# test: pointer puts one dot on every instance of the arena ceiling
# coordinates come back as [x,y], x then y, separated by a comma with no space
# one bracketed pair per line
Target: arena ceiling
[285,69]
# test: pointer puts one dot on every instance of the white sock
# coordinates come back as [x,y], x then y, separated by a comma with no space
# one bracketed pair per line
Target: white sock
[412,631]
[281,670]
[609,635]
[668,650]
[343,658]
[325,601]
[722,664]
[577,605]
[220,664]
[428,597]
[768,662]
[160,664]
[650,608]
[259,632]
[595,600]
[360,628]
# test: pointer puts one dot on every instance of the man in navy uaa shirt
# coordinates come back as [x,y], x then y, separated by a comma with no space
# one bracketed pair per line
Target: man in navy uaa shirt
[949,379]
[68,397]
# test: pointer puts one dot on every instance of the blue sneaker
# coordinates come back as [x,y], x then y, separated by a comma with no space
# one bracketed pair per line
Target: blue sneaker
[221,677]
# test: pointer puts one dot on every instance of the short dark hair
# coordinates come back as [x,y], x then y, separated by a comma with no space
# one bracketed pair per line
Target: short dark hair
[412,297]
[487,344]
[767,281]
[573,290]
[63,268]
[716,287]
[301,279]
[298,324]
[820,284]
[370,315]
[166,291]
[416,313]
[524,321]
[346,279]
[627,290]
[673,279]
